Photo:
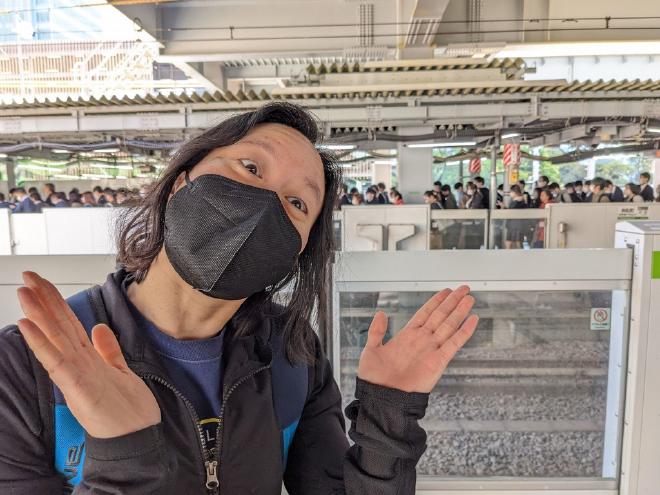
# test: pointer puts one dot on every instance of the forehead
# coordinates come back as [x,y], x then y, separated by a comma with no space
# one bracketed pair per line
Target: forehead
[286,143]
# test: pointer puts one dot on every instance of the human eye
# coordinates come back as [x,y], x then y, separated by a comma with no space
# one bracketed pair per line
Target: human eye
[250,166]
[297,203]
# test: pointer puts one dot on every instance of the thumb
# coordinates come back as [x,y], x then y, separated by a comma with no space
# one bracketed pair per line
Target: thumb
[106,345]
[377,330]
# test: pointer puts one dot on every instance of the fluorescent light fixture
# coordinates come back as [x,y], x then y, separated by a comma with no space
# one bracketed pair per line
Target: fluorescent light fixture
[337,146]
[121,177]
[442,145]
[384,162]
[65,176]
[61,151]
[653,129]
[510,135]
[118,167]
[579,49]
[107,150]
[3,155]
[346,165]
[97,176]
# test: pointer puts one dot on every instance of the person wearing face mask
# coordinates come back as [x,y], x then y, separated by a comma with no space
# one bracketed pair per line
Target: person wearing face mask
[475,199]
[599,191]
[372,196]
[195,380]
[631,193]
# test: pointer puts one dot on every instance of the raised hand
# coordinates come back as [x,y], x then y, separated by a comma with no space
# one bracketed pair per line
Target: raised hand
[104,395]
[415,358]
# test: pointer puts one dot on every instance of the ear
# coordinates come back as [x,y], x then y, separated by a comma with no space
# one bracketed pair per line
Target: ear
[178,183]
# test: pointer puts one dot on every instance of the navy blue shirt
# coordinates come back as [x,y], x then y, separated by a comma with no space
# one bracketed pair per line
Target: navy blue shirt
[194,368]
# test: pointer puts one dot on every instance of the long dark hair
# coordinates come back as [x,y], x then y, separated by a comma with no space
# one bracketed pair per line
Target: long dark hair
[141,230]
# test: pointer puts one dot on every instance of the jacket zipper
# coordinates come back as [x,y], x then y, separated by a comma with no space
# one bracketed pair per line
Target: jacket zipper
[209,465]
[218,432]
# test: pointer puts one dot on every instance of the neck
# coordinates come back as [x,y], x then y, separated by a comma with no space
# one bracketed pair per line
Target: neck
[175,308]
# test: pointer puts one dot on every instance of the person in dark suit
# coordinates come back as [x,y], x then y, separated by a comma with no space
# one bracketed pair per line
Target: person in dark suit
[23,202]
[645,189]
[483,191]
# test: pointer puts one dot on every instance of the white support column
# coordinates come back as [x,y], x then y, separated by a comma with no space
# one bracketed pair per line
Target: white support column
[415,167]
[655,180]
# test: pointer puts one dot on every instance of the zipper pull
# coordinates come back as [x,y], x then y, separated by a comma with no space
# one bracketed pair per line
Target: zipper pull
[212,475]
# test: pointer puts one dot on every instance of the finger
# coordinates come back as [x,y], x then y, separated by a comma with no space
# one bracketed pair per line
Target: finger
[57,307]
[448,350]
[33,309]
[106,345]
[423,313]
[59,369]
[454,320]
[377,330]
[441,313]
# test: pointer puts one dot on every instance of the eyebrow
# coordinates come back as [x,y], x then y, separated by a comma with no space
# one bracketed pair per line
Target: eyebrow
[270,149]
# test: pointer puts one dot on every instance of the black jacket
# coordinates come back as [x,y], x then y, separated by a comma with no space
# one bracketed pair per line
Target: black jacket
[166,458]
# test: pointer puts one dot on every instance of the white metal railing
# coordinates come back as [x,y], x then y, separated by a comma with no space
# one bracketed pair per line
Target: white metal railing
[91,230]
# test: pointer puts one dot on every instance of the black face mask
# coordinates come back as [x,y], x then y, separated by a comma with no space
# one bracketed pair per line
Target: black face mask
[227,239]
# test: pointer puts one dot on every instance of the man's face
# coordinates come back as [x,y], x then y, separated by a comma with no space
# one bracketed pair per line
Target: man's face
[643,180]
[578,189]
[428,200]
[370,196]
[436,188]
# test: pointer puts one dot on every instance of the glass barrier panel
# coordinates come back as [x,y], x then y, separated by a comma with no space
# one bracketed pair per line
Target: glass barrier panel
[518,233]
[458,233]
[528,396]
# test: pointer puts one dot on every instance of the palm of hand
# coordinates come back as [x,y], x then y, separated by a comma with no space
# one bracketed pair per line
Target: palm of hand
[102,392]
[415,358]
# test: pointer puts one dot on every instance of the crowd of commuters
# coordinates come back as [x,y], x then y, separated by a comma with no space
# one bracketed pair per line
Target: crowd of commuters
[475,195]
[32,201]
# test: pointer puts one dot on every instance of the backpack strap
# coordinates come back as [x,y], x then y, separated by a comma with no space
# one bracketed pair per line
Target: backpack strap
[290,389]
[69,435]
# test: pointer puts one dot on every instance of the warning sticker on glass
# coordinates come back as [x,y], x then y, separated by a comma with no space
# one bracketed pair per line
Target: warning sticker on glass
[600,318]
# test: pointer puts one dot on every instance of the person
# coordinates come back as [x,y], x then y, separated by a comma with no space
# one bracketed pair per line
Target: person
[122,196]
[447,199]
[3,202]
[570,195]
[536,197]
[344,198]
[382,194]
[646,189]
[514,228]
[179,325]
[87,199]
[614,191]
[499,201]
[461,198]
[48,189]
[598,193]
[555,190]
[483,191]
[99,197]
[23,202]
[59,200]
[431,199]
[588,195]
[657,193]
[110,197]
[437,186]
[631,193]
[527,198]
[579,191]
[542,182]
[397,198]
[371,196]
[475,199]
[357,199]
[545,198]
